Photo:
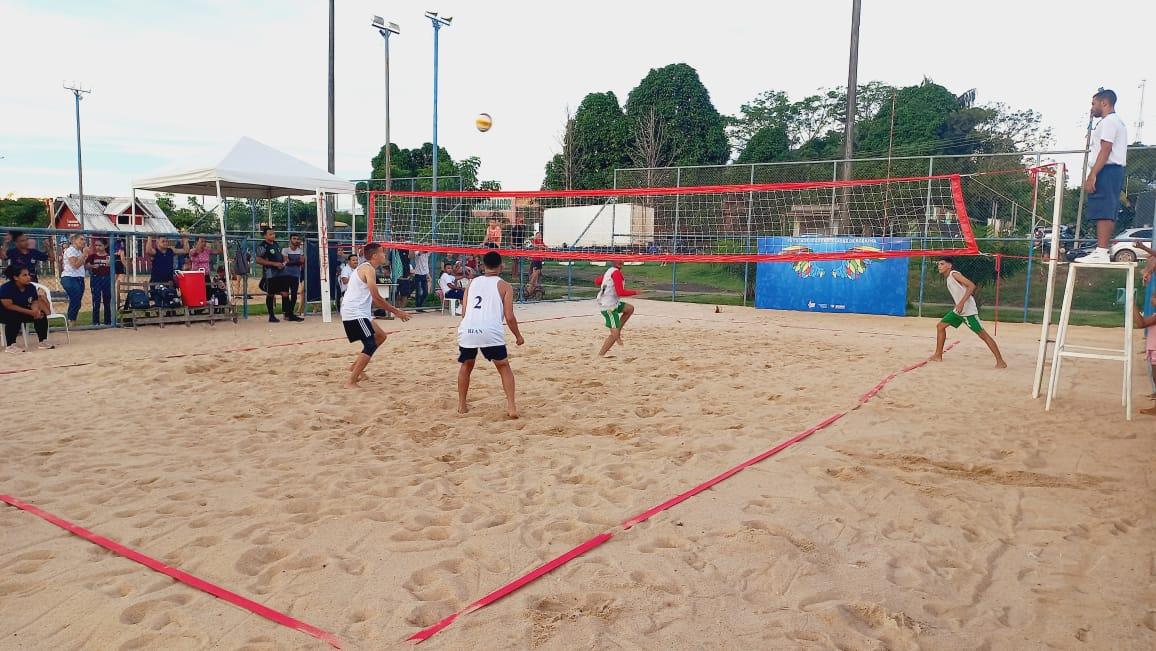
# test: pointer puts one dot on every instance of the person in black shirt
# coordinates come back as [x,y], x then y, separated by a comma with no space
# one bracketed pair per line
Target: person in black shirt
[164,258]
[100,281]
[24,254]
[19,304]
[272,258]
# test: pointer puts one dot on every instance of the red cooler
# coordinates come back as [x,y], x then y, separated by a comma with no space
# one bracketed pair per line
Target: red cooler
[191,285]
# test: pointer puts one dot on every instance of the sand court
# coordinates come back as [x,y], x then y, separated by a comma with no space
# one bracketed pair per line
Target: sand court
[950,511]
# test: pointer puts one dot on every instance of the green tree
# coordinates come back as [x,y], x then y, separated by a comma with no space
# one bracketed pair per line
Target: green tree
[767,145]
[696,130]
[595,143]
[23,211]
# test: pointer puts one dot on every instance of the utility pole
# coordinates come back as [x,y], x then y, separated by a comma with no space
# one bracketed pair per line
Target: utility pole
[79,92]
[1140,116]
[852,90]
[332,157]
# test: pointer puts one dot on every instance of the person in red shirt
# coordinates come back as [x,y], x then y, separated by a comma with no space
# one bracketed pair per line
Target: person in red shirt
[615,311]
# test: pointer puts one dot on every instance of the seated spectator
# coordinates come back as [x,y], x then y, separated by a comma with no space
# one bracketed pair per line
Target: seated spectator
[347,270]
[449,286]
[19,304]
[493,238]
[219,287]
[23,253]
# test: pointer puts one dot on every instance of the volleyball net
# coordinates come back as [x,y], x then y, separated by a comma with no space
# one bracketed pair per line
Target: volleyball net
[814,220]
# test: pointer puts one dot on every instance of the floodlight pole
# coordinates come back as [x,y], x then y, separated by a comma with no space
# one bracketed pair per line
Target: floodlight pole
[79,93]
[385,29]
[438,22]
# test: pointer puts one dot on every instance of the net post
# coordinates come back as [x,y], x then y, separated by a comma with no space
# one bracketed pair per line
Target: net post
[998,260]
[747,265]
[1049,295]
[674,265]
[1031,255]
[322,203]
[926,220]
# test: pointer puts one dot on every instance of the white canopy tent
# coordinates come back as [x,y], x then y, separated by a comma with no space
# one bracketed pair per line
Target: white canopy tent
[252,170]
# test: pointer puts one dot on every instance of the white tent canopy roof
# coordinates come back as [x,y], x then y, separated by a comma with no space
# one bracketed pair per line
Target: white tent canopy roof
[250,170]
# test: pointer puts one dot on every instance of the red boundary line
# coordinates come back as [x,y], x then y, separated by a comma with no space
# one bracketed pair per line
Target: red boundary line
[605,536]
[179,575]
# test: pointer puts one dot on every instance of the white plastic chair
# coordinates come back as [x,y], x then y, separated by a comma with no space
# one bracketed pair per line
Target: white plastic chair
[53,313]
[23,331]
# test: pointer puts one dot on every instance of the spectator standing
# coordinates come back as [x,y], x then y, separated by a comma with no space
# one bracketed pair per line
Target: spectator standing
[72,274]
[100,282]
[163,257]
[23,253]
[201,257]
[20,303]
[272,258]
[295,270]
[421,278]
[242,265]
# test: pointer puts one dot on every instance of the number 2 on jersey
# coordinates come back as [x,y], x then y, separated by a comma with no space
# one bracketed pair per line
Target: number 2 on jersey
[477,302]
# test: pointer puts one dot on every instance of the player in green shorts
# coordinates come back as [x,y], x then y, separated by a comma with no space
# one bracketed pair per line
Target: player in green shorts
[962,292]
[615,312]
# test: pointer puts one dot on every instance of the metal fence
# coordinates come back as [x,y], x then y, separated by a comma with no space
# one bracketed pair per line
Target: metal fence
[1006,210]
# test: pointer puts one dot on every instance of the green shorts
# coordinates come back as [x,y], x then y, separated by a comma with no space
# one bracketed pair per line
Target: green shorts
[954,320]
[613,317]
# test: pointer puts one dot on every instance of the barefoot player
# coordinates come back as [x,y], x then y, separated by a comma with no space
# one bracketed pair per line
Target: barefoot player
[488,307]
[357,311]
[615,311]
[965,311]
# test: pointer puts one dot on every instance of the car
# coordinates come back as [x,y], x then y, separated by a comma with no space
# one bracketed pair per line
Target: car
[1043,237]
[1124,248]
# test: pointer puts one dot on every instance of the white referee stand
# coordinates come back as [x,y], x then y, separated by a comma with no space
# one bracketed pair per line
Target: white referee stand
[1063,349]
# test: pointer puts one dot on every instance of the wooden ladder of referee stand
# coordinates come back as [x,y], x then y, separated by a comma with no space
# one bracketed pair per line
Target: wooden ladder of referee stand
[1064,349]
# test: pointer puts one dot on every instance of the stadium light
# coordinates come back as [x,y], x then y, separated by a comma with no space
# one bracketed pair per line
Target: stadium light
[438,22]
[386,29]
[79,92]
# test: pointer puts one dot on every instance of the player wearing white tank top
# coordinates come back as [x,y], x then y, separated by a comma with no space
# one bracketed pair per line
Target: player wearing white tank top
[357,311]
[963,293]
[488,310]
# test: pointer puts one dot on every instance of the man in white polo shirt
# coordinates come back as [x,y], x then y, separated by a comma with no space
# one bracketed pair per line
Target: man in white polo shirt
[1105,182]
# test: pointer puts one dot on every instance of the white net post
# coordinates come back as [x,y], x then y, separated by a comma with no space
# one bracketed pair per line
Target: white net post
[1049,295]
[323,256]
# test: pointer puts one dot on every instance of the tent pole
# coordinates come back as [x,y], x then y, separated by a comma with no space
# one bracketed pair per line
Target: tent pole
[323,257]
[133,229]
[224,245]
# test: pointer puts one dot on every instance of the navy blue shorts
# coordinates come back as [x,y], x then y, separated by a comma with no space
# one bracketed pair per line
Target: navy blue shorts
[491,353]
[1104,203]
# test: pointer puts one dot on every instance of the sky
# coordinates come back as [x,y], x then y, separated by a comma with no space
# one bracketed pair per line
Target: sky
[174,84]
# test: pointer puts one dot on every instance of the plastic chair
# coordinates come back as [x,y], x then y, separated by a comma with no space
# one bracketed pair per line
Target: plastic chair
[54,314]
[452,303]
[23,331]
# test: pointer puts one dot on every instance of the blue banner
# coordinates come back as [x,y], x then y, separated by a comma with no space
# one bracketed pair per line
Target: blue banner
[865,286]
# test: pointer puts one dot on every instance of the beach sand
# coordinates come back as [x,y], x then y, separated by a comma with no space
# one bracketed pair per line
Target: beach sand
[950,512]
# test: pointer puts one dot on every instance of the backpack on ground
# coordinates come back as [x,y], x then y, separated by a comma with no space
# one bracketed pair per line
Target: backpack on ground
[165,296]
[136,299]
